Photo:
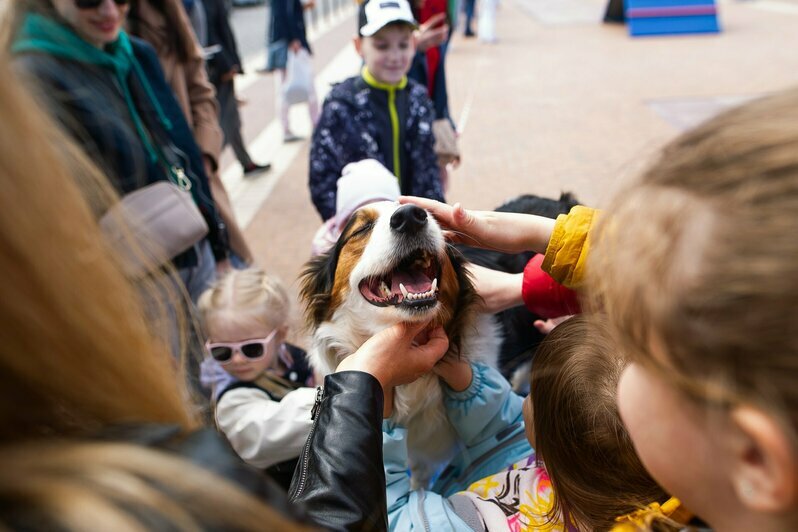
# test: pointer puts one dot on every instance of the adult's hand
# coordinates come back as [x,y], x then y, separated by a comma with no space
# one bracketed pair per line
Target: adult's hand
[223,267]
[231,74]
[295,45]
[502,231]
[432,33]
[398,355]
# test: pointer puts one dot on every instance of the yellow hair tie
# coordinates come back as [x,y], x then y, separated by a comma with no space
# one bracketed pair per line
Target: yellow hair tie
[642,519]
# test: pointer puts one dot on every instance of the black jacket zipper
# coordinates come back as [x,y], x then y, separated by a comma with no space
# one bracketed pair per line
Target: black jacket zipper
[303,472]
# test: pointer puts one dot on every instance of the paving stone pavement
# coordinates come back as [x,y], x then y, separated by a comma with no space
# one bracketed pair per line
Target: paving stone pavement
[557,105]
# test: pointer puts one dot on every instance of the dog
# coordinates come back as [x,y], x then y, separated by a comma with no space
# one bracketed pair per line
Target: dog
[392,264]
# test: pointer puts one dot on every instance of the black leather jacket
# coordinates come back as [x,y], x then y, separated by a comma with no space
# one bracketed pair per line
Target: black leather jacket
[340,480]
[339,483]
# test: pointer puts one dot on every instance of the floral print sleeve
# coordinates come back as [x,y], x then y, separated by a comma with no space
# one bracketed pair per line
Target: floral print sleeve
[327,158]
[516,500]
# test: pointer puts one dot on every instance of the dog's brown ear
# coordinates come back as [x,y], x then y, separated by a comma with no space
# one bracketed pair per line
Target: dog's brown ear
[468,300]
[316,281]
[318,278]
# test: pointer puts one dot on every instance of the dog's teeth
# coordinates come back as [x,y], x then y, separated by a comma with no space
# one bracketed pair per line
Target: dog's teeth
[403,289]
[434,286]
[386,292]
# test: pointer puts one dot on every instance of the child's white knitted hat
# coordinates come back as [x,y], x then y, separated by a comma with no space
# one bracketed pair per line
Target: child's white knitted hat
[363,182]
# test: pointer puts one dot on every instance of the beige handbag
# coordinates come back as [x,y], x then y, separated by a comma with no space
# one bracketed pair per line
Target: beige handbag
[445,142]
[152,225]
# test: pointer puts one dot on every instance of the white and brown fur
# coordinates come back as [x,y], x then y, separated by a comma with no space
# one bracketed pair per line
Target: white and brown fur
[342,319]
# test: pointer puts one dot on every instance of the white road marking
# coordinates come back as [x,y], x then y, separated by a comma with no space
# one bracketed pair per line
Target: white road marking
[775,6]
[248,194]
[258,60]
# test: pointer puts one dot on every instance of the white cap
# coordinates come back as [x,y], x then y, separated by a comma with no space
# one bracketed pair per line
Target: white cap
[363,182]
[376,14]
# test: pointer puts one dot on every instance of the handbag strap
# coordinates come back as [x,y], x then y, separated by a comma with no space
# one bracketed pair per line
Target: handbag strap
[175,171]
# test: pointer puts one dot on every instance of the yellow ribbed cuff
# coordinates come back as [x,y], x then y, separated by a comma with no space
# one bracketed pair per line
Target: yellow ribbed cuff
[567,252]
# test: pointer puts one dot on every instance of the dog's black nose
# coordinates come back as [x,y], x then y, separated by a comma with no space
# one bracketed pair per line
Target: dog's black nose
[408,219]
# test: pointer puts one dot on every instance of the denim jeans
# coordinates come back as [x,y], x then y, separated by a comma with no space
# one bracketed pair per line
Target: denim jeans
[469,13]
[199,278]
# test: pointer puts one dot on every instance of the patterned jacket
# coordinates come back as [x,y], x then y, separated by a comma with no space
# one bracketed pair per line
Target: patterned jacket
[365,119]
[469,494]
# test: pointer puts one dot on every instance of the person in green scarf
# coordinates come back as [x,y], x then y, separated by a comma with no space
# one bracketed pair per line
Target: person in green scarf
[109,92]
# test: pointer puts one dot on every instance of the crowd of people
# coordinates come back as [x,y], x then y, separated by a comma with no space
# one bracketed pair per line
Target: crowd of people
[148,380]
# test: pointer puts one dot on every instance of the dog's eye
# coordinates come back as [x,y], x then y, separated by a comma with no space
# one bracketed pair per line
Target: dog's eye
[365,228]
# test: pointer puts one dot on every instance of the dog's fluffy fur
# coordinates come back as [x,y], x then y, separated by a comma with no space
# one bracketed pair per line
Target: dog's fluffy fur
[353,292]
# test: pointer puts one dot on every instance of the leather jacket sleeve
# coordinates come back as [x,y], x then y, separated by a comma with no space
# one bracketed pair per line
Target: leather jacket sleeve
[340,480]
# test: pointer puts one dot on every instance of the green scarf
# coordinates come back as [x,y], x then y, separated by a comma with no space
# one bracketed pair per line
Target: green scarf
[42,34]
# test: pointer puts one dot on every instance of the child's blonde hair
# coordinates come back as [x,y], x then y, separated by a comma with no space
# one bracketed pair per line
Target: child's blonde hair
[245,297]
[579,435]
[700,258]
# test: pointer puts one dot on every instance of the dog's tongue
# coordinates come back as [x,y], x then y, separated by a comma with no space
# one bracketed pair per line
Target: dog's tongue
[415,282]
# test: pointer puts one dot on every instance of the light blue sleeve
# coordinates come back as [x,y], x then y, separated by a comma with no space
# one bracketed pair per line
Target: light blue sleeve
[488,418]
[419,510]
[484,409]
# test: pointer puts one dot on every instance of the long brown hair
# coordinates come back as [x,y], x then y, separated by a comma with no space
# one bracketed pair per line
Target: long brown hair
[579,435]
[700,255]
[180,38]
[74,333]
[77,355]
[77,486]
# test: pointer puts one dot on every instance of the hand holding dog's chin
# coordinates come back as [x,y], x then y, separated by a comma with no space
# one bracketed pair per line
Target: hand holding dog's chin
[393,357]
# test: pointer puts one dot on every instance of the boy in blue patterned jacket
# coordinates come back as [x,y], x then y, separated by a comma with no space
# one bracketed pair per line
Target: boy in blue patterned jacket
[379,114]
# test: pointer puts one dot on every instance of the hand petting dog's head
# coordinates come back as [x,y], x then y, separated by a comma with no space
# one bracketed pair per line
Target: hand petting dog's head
[390,264]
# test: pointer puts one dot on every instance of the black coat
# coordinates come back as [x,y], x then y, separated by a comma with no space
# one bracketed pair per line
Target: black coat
[220,33]
[88,101]
[287,22]
[340,479]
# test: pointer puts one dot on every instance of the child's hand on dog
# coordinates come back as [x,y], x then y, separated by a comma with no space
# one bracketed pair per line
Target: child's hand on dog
[498,290]
[456,372]
[395,356]
[502,231]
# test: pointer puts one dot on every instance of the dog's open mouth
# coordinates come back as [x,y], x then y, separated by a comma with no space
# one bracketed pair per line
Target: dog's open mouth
[414,283]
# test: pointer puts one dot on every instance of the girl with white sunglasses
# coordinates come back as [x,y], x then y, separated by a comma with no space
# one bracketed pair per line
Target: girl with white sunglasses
[262,386]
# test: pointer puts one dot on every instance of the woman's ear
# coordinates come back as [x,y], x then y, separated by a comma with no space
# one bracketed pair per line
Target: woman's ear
[765,468]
